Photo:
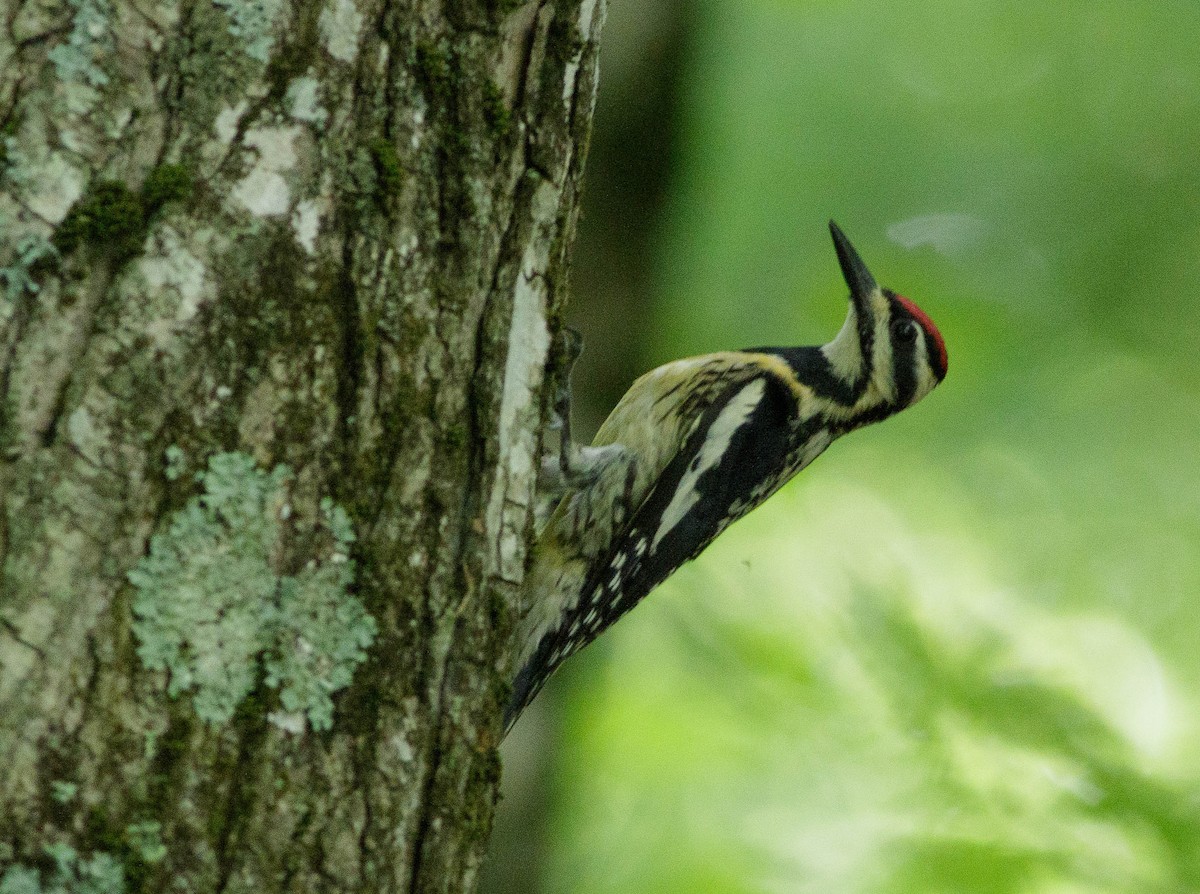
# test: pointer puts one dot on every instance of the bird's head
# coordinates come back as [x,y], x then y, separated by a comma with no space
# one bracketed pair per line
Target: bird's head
[888,350]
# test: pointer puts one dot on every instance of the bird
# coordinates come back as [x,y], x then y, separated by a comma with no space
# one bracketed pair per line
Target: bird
[693,446]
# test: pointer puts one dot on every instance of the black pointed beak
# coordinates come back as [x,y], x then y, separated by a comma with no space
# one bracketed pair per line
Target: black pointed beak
[862,284]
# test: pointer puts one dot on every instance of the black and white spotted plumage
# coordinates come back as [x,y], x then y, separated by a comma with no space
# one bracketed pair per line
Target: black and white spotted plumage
[696,444]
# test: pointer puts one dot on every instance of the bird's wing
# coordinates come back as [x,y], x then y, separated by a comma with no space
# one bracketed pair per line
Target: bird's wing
[749,422]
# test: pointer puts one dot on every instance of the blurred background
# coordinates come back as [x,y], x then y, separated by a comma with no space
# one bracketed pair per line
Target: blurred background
[961,652]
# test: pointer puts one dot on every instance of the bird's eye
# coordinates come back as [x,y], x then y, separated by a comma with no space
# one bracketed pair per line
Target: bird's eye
[904,330]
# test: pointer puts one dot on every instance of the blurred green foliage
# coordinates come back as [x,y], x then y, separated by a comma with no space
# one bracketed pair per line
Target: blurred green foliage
[958,654]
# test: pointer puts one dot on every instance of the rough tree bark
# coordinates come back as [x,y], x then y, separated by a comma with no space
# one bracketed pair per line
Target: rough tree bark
[277,286]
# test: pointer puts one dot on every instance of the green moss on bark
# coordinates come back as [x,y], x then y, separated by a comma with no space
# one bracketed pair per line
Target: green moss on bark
[495,112]
[433,68]
[108,217]
[8,131]
[165,183]
[388,172]
[112,220]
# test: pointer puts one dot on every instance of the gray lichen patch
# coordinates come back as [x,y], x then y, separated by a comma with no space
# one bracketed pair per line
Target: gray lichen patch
[340,24]
[42,180]
[17,278]
[252,22]
[321,634]
[77,59]
[145,839]
[63,792]
[101,873]
[214,610]
[264,191]
[304,101]
[175,280]
[207,586]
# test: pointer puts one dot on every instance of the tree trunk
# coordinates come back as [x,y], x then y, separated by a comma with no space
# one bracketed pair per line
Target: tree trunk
[277,287]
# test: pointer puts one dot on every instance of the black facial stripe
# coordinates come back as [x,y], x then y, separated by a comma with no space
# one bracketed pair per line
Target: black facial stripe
[866,338]
[904,369]
[812,368]
[904,351]
[904,330]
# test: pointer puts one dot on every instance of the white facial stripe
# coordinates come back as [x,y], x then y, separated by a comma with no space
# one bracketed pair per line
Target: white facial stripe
[884,374]
[926,381]
[732,417]
[844,353]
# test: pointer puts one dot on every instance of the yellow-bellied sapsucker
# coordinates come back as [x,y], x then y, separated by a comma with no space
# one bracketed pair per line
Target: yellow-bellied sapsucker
[692,447]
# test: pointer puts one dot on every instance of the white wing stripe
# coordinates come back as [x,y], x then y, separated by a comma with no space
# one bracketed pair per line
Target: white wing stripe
[732,417]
